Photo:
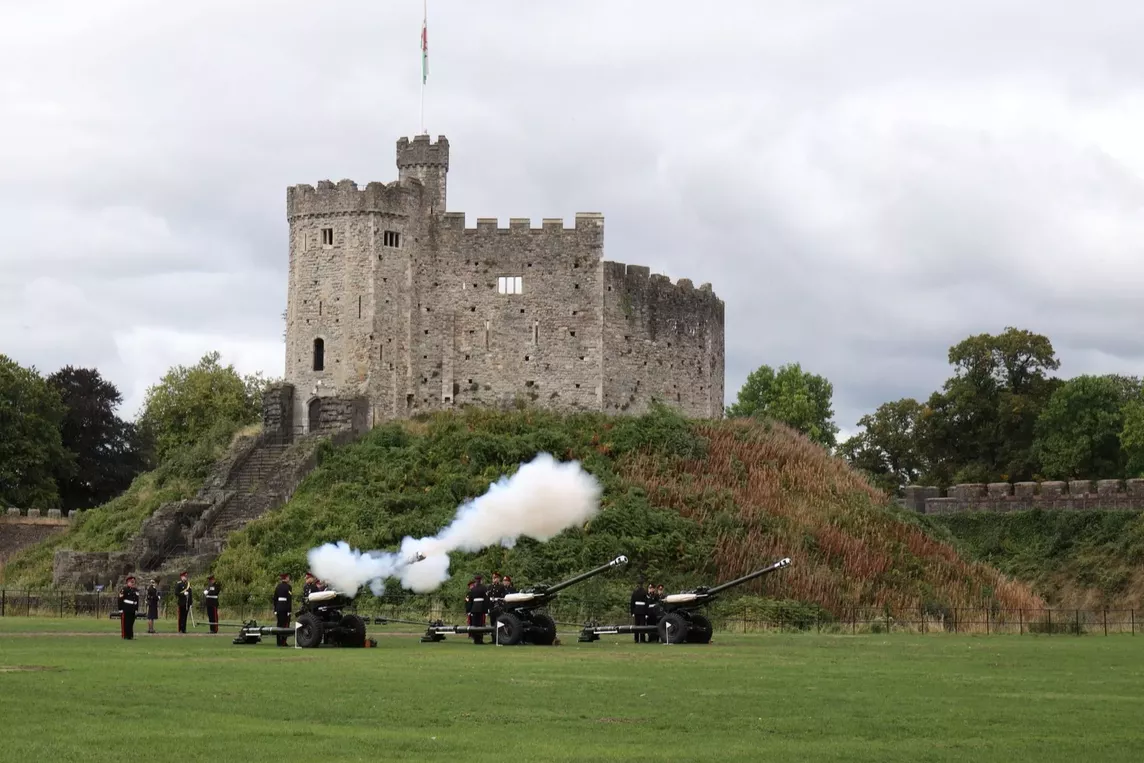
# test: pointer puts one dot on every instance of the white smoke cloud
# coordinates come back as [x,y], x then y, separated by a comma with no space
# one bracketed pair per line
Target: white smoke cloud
[542,499]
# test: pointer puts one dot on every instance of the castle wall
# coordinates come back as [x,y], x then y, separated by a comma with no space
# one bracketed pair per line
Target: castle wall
[478,346]
[1078,495]
[661,341]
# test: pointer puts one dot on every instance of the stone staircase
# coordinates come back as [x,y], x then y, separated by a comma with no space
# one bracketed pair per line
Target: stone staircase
[243,488]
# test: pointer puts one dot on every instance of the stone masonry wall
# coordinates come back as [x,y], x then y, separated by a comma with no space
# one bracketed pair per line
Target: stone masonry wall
[661,341]
[475,345]
[1078,495]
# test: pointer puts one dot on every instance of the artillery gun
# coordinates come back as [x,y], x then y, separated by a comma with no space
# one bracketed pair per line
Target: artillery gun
[519,618]
[321,620]
[676,617]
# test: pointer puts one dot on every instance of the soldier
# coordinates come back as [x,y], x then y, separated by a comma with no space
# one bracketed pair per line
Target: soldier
[309,586]
[283,598]
[652,611]
[185,597]
[508,586]
[128,606]
[496,590]
[469,604]
[210,595]
[479,596]
[152,605]
[639,611]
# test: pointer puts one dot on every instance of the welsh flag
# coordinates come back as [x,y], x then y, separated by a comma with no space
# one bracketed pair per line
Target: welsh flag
[424,51]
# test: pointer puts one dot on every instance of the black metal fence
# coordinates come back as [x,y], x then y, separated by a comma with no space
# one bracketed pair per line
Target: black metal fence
[571,613]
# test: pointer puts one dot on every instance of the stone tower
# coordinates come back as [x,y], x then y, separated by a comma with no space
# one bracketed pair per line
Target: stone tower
[395,307]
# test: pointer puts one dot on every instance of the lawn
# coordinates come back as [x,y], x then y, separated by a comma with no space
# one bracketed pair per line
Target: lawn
[753,698]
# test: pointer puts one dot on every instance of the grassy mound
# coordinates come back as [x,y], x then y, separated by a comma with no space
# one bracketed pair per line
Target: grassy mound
[687,502]
[109,527]
[1087,560]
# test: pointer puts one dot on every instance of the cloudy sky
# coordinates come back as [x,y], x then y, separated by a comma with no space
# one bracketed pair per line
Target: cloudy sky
[864,182]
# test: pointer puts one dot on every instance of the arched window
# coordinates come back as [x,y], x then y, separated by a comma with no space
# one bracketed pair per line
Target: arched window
[319,355]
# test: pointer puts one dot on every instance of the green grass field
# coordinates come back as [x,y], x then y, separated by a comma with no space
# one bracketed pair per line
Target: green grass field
[752,698]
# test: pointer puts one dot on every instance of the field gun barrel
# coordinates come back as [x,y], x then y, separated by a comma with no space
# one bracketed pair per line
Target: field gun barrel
[785,562]
[584,575]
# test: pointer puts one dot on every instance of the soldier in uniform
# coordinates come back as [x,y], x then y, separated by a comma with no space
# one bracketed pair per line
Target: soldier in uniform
[638,609]
[283,598]
[152,605]
[469,604]
[128,606]
[652,611]
[496,590]
[210,595]
[508,586]
[479,598]
[310,585]
[184,596]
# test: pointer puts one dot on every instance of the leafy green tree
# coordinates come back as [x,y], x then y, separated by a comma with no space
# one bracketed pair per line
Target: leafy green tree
[887,448]
[797,398]
[31,449]
[1132,439]
[981,426]
[106,448]
[188,401]
[1078,432]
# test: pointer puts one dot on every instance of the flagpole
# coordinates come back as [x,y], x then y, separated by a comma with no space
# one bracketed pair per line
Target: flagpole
[424,59]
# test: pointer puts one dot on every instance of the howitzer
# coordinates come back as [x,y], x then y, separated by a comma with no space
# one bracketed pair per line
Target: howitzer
[321,620]
[674,618]
[518,617]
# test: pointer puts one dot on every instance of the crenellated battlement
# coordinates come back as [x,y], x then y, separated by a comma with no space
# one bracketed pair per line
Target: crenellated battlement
[638,281]
[586,222]
[346,196]
[1049,495]
[421,152]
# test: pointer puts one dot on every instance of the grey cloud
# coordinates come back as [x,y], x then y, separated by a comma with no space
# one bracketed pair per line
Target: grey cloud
[864,183]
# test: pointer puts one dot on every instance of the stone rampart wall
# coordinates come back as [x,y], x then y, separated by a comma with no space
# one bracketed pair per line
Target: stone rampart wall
[1076,495]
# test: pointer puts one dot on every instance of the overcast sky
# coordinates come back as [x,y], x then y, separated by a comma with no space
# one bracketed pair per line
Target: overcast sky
[864,182]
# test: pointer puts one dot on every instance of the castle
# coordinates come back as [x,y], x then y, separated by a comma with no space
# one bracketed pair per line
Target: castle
[395,306]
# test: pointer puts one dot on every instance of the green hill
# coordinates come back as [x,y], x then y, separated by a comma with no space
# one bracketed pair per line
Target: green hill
[686,501]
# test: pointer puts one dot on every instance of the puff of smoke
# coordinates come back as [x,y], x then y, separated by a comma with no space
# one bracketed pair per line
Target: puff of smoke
[543,498]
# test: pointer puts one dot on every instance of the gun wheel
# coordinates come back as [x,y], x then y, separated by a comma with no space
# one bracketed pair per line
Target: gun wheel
[353,631]
[309,633]
[510,629]
[543,630]
[700,630]
[672,628]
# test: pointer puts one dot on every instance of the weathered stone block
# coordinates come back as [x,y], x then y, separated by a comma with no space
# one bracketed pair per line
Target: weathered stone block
[1135,487]
[1108,487]
[1025,489]
[999,489]
[942,505]
[14,512]
[33,512]
[1080,487]
[1053,488]
[54,514]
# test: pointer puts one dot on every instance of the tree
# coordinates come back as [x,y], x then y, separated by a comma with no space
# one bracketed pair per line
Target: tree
[189,401]
[799,399]
[106,448]
[31,449]
[981,426]
[1078,432]
[1132,439]
[887,448]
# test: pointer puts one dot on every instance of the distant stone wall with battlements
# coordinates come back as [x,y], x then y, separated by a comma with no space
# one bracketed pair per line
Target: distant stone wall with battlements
[1077,495]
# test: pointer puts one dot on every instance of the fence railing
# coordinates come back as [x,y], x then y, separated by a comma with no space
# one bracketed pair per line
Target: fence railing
[571,613]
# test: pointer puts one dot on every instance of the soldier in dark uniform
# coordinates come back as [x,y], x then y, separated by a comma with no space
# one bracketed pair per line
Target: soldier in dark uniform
[469,604]
[152,605]
[210,596]
[652,611]
[184,596]
[128,606]
[283,598]
[508,586]
[638,609]
[310,585]
[496,590]
[479,597]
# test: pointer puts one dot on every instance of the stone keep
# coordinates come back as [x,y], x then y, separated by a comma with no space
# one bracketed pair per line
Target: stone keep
[392,299]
